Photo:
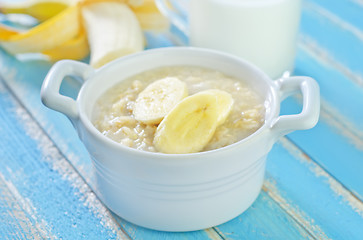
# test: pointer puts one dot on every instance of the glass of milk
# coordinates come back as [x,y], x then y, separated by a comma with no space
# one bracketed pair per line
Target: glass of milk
[263,32]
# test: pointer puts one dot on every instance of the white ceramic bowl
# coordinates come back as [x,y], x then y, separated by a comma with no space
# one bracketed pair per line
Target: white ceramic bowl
[179,192]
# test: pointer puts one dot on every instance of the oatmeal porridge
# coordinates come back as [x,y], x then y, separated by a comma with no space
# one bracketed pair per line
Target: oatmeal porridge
[114,114]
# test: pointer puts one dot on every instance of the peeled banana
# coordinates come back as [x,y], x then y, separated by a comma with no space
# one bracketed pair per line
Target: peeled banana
[190,125]
[113,31]
[157,99]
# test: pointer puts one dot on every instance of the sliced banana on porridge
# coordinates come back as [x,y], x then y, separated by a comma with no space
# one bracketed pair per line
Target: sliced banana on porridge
[220,111]
[192,122]
[225,103]
[157,99]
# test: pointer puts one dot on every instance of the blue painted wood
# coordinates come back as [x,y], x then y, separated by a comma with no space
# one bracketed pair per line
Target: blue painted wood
[15,222]
[41,180]
[301,194]
[314,192]
[344,44]
[335,87]
[340,155]
[268,213]
[155,39]
[140,233]
[349,10]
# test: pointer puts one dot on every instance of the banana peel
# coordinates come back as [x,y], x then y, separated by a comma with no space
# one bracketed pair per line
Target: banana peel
[39,9]
[61,33]
[6,33]
[76,48]
[149,16]
[46,35]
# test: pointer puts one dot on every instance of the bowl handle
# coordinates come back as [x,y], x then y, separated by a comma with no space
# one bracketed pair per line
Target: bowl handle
[50,89]
[309,115]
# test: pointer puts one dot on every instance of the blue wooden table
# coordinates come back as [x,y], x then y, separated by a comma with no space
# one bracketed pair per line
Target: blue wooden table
[314,180]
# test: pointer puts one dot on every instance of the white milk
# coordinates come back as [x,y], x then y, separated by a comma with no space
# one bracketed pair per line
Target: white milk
[261,31]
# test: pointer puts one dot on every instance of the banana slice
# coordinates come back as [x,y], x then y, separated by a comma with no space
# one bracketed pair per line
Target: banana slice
[191,124]
[113,31]
[225,102]
[157,99]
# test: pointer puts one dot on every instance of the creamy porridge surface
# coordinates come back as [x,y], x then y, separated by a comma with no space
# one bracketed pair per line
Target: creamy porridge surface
[113,115]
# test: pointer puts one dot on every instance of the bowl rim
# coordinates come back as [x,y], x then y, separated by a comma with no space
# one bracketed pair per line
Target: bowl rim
[274,106]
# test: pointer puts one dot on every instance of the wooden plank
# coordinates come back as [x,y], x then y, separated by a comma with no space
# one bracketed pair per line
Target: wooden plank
[157,39]
[264,212]
[16,218]
[340,39]
[349,10]
[328,209]
[56,197]
[334,147]
[335,87]
[140,233]
[341,130]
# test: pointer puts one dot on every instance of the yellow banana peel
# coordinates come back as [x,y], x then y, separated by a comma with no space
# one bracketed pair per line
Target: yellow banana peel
[6,32]
[47,35]
[40,9]
[149,16]
[76,48]
[148,6]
